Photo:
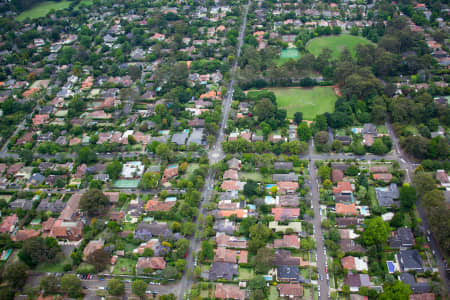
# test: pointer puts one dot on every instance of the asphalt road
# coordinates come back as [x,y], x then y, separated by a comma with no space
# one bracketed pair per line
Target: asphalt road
[215,155]
[318,236]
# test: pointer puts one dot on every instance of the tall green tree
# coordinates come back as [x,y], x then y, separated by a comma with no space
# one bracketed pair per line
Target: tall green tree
[376,231]
[94,202]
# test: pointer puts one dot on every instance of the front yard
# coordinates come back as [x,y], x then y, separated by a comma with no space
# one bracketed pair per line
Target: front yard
[124,266]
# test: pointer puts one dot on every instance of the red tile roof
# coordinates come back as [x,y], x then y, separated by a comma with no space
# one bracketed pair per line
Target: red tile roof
[342,186]
[288,241]
[290,290]
[154,263]
[229,291]
[346,209]
[283,213]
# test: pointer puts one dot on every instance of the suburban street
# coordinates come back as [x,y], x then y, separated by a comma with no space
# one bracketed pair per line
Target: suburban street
[215,155]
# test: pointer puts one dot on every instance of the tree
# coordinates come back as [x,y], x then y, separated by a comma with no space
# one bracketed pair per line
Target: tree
[396,291]
[407,196]
[304,132]
[116,287]
[99,259]
[259,235]
[264,109]
[298,117]
[264,260]
[71,285]
[432,199]
[180,264]
[163,151]
[352,170]
[86,155]
[169,273]
[378,147]
[149,181]
[114,169]
[321,137]
[324,172]
[251,188]
[257,283]
[207,251]
[336,146]
[49,285]
[94,202]
[37,250]
[423,182]
[139,287]
[376,231]
[15,274]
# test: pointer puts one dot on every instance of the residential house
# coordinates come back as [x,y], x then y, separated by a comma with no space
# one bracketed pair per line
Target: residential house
[288,273]
[402,238]
[24,234]
[443,178]
[153,244]
[282,165]
[288,241]
[234,164]
[416,287]
[91,247]
[21,203]
[9,223]
[287,187]
[337,175]
[356,281]
[346,209]
[232,185]
[349,245]
[410,260]
[224,240]
[387,196]
[290,290]
[284,258]
[285,177]
[145,231]
[222,270]
[239,213]
[294,226]
[231,175]
[156,205]
[231,256]
[150,263]
[353,263]
[284,214]
[229,291]
[169,173]
[288,201]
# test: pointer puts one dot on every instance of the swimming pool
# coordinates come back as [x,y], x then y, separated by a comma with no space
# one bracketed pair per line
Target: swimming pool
[269,186]
[391,266]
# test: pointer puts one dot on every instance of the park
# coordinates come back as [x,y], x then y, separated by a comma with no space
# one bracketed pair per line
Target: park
[42,9]
[336,43]
[310,101]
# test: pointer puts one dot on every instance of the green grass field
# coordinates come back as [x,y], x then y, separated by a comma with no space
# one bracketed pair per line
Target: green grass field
[335,43]
[310,101]
[42,9]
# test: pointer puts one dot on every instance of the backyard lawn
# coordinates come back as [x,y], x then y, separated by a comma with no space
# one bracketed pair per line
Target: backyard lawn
[273,293]
[124,266]
[310,101]
[53,266]
[246,274]
[336,43]
[42,9]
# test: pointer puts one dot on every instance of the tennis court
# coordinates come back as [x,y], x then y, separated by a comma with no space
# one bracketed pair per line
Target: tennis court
[126,183]
[290,53]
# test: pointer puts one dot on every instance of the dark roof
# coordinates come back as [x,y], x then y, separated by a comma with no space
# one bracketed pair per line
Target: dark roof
[351,246]
[416,287]
[369,128]
[344,222]
[343,198]
[345,140]
[285,177]
[222,270]
[55,207]
[283,165]
[403,238]
[145,231]
[410,260]
[339,166]
[386,196]
[284,258]
[290,273]
[21,203]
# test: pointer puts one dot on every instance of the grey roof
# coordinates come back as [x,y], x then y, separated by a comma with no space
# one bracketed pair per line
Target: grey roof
[231,195]
[340,166]
[145,231]
[21,203]
[410,260]
[196,136]
[416,287]
[290,273]
[283,165]
[403,238]
[387,195]
[357,280]
[179,138]
[343,198]
[284,258]
[36,178]
[369,128]
[285,177]
[54,207]
[289,200]
[223,270]
[344,222]
[351,246]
